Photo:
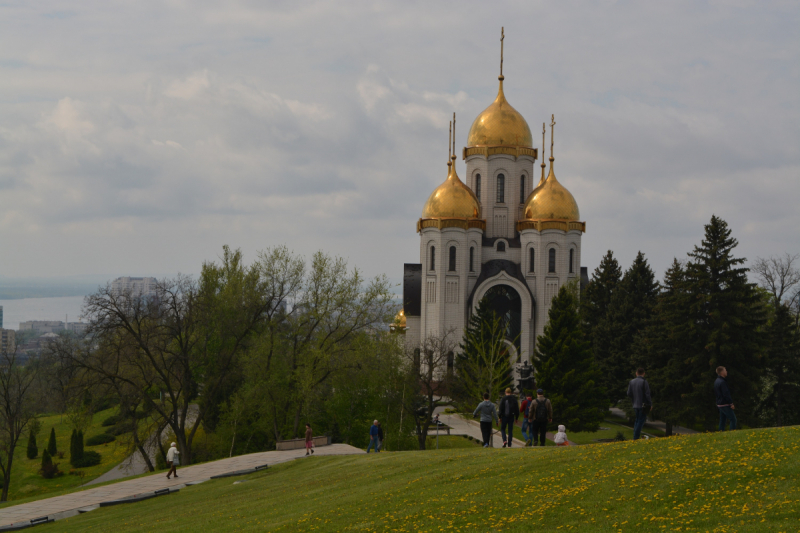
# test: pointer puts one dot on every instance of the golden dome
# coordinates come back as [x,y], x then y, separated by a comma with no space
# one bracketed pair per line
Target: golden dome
[400,319]
[551,200]
[500,125]
[452,199]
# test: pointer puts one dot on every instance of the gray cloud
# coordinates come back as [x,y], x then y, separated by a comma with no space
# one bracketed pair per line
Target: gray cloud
[140,138]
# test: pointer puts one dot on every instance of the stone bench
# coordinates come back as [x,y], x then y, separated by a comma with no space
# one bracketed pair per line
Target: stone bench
[297,444]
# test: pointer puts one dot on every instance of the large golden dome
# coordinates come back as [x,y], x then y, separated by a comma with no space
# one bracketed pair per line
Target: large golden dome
[551,201]
[500,125]
[452,199]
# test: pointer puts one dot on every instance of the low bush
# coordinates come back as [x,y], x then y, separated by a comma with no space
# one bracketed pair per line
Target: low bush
[119,429]
[89,458]
[102,438]
[49,469]
[110,421]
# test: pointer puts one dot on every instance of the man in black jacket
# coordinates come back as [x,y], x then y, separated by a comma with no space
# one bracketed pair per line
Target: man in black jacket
[509,412]
[724,400]
[639,393]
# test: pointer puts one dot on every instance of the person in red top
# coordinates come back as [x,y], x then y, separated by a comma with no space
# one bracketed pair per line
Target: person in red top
[527,434]
[309,440]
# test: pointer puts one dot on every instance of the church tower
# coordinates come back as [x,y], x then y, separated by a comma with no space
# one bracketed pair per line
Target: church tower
[495,238]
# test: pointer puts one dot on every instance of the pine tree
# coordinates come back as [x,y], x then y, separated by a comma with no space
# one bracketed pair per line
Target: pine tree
[565,368]
[665,345]
[484,363]
[629,311]
[51,444]
[596,296]
[79,444]
[729,314]
[782,374]
[47,461]
[33,450]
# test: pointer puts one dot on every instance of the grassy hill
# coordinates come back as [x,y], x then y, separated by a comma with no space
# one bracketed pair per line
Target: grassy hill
[724,482]
[26,480]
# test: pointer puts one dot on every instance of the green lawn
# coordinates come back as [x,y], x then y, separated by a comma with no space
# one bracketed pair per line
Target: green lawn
[722,482]
[26,483]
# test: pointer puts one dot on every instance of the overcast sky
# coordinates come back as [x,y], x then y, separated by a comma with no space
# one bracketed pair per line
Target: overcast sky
[137,138]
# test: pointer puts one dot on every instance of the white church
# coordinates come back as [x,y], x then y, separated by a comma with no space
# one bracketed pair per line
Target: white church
[503,233]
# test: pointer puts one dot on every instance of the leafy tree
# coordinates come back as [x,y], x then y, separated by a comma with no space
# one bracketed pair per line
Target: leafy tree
[628,313]
[51,444]
[782,373]
[566,369]
[728,314]
[33,450]
[483,364]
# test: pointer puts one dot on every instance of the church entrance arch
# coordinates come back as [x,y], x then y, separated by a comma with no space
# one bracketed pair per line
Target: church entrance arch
[506,302]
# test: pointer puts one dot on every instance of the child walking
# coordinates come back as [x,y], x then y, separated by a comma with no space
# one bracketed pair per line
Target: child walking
[309,440]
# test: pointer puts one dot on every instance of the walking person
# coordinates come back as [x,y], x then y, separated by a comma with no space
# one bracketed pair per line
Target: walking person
[509,413]
[373,437]
[541,414]
[173,460]
[380,436]
[488,415]
[639,393]
[724,400]
[525,408]
[309,440]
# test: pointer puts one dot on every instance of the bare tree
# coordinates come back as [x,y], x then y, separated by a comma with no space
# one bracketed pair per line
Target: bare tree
[430,368]
[16,409]
[779,275]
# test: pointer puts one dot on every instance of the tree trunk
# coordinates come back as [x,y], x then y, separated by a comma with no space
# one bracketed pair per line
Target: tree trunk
[668,429]
[7,477]
[778,413]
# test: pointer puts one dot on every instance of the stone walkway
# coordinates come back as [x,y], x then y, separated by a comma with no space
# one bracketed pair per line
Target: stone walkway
[69,504]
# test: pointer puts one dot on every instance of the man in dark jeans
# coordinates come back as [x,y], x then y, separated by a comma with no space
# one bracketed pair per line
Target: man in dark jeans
[541,414]
[724,400]
[509,412]
[488,414]
[639,393]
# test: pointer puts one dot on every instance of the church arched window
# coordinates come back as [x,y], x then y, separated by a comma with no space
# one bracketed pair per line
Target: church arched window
[501,189]
[501,246]
[531,262]
[571,259]
[452,265]
[471,258]
[551,260]
[433,258]
[478,186]
[522,189]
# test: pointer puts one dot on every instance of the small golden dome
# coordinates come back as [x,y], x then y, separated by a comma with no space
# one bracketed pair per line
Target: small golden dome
[400,319]
[551,200]
[500,125]
[452,199]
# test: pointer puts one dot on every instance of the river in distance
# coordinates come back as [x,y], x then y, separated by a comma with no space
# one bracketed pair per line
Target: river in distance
[24,309]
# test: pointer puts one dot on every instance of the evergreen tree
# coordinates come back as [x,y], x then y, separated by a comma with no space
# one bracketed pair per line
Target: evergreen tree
[728,314]
[596,296]
[484,363]
[33,450]
[629,311]
[664,346]
[47,462]
[782,375]
[51,444]
[566,369]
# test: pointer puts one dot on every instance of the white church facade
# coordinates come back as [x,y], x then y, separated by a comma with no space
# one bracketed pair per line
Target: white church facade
[504,233]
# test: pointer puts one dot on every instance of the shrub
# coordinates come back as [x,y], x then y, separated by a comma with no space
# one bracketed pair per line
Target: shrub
[119,429]
[619,437]
[51,444]
[97,440]
[161,463]
[89,458]
[33,450]
[110,421]
[76,449]
[49,469]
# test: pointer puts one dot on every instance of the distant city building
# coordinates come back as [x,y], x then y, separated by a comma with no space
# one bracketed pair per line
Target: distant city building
[78,328]
[7,340]
[1,317]
[137,286]
[40,327]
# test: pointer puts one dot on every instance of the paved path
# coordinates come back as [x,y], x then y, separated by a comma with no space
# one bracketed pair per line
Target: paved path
[658,424]
[462,426]
[68,504]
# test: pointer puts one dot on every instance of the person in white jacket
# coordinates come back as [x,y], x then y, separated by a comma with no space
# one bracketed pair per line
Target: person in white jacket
[561,437]
[173,460]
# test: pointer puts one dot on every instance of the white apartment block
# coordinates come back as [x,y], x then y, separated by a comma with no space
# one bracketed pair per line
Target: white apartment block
[136,286]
